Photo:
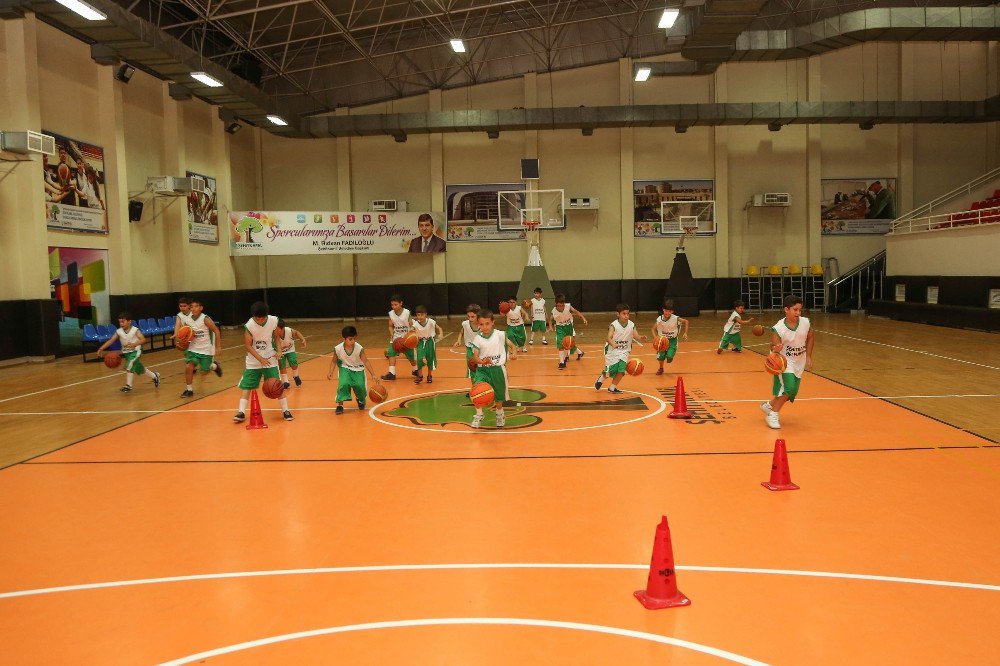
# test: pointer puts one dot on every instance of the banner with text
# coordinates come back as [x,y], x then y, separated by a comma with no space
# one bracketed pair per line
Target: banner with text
[294,232]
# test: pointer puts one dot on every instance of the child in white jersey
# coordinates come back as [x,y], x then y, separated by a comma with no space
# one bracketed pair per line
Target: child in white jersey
[428,335]
[468,332]
[666,326]
[792,338]
[201,350]
[562,318]
[132,341]
[490,351]
[289,357]
[183,317]
[515,324]
[539,317]
[260,337]
[351,362]
[399,327]
[617,348]
[731,331]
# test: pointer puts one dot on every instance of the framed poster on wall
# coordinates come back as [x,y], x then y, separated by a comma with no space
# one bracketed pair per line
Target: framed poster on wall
[473,212]
[203,213]
[857,205]
[75,195]
[655,201]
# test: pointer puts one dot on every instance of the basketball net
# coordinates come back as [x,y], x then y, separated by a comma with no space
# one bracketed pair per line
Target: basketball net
[531,234]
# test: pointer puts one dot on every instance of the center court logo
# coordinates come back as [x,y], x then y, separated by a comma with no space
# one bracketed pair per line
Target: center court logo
[525,409]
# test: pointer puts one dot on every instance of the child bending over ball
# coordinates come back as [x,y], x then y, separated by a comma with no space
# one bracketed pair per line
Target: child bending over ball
[351,362]
[617,348]
[260,337]
[399,327]
[490,355]
[666,327]
[731,331]
[792,338]
[132,341]
[428,335]
[562,317]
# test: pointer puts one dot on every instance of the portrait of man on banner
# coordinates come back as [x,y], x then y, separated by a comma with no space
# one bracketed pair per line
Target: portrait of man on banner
[427,241]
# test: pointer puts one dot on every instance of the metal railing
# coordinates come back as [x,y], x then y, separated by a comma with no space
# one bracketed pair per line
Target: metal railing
[947,221]
[963,190]
[853,290]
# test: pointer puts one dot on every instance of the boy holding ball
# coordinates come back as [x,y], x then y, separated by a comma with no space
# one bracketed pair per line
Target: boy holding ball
[792,337]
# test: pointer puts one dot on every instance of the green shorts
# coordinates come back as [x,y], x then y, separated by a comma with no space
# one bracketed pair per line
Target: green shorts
[427,354]
[201,362]
[669,352]
[786,384]
[562,330]
[516,335]
[408,353]
[615,368]
[132,362]
[352,380]
[468,357]
[252,376]
[495,376]
[731,338]
[288,358]
[538,325]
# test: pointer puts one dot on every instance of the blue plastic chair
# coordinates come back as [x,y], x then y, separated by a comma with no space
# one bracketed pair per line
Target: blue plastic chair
[90,333]
[165,326]
[104,331]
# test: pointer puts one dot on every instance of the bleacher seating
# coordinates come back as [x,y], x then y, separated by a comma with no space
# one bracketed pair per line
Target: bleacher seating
[155,331]
[974,215]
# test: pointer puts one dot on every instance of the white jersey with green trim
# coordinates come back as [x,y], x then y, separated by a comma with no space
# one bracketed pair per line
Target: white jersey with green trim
[667,327]
[400,323]
[794,344]
[129,339]
[564,317]
[185,319]
[351,360]
[263,341]
[493,347]
[425,330]
[621,345]
[203,341]
[468,333]
[288,341]
[515,316]
[538,309]
[732,324]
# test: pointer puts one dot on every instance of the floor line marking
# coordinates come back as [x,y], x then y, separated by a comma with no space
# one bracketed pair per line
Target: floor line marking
[453,621]
[490,565]
[915,351]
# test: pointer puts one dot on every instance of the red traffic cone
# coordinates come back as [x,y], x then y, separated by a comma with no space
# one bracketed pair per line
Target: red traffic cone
[661,587]
[256,417]
[680,402]
[781,478]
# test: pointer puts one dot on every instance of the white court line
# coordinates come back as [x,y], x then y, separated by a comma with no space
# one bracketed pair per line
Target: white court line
[453,621]
[489,565]
[915,351]
[181,410]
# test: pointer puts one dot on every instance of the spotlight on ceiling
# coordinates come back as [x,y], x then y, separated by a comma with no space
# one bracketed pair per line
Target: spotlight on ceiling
[774,126]
[493,134]
[680,129]
[867,125]
[458,46]
[668,18]
[233,128]
[209,81]
[642,74]
[125,72]
[399,138]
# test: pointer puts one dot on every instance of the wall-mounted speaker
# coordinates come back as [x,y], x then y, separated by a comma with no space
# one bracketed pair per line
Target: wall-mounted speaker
[529,169]
[134,210]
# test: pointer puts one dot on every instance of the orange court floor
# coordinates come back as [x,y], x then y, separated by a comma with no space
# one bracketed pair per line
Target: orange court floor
[400,535]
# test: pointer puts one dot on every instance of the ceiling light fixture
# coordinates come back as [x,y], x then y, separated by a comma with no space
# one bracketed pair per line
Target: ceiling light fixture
[209,81]
[643,73]
[774,126]
[277,120]
[83,9]
[668,18]
[458,46]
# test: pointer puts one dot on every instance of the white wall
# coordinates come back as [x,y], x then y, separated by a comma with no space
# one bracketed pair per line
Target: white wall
[962,251]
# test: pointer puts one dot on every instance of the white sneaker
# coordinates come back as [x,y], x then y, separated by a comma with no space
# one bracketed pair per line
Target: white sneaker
[765,407]
[501,420]
[524,349]
[544,341]
[531,342]
[477,420]
[772,420]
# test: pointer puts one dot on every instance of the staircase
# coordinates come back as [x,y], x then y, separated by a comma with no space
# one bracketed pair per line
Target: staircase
[854,289]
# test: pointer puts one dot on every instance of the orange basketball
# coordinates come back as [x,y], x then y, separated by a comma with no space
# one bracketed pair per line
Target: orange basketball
[185,334]
[504,307]
[377,393]
[526,304]
[112,359]
[567,342]
[775,364]
[411,340]
[634,367]
[273,388]
[182,345]
[758,330]
[660,343]
[398,345]
[481,394]
[63,172]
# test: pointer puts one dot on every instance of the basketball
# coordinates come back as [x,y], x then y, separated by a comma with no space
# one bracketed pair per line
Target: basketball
[526,304]
[63,171]
[775,364]
[661,343]
[112,359]
[481,394]
[185,334]
[567,342]
[273,388]
[411,340]
[182,345]
[634,367]
[377,393]
[758,330]
[398,345]
[504,307]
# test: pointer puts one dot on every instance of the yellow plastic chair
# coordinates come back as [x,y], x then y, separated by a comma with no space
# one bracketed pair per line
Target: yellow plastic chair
[774,270]
[794,269]
[815,269]
[753,271]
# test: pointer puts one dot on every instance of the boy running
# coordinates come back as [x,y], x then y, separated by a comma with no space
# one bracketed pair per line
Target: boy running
[183,317]
[132,341]
[515,324]
[351,362]
[539,317]
[428,334]
[617,348]
[200,352]
[792,338]
[470,328]
[731,331]
[289,358]
[260,337]
[399,326]
[489,354]
[562,317]
[666,326]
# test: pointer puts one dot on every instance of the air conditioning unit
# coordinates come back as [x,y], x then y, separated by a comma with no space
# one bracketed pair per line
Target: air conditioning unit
[387,206]
[772,199]
[584,203]
[27,142]
[174,185]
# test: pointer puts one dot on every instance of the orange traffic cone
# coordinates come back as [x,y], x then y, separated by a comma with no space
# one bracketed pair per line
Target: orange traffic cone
[256,417]
[781,478]
[680,402]
[661,587]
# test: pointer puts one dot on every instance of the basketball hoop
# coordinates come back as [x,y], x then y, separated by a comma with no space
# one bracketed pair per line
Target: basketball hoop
[531,234]
[689,225]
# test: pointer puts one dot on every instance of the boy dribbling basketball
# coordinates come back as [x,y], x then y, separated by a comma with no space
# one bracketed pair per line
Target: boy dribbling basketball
[666,326]
[792,337]
[351,362]
[539,317]
[562,317]
[515,324]
[260,337]
[201,351]
[490,354]
[289,357]
[470,328]
[428,335]
[617,348]
[132,341]
[183,317]
[731,331]
[399,326]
